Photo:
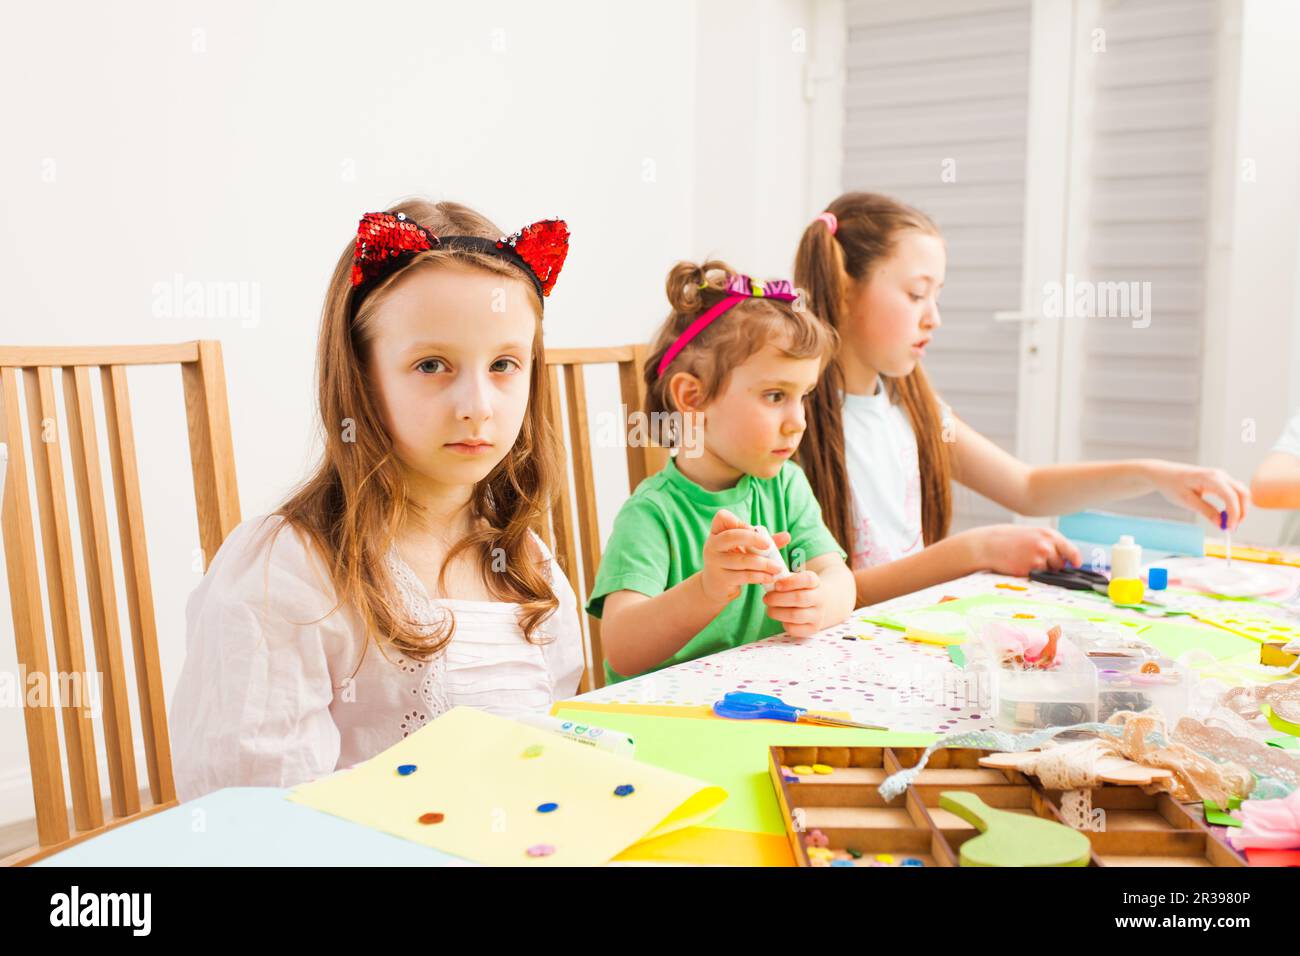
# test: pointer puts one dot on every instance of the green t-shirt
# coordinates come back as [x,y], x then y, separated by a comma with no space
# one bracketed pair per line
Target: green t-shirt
[658,542]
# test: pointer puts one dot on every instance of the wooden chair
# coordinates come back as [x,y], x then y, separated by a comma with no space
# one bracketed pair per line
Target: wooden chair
[642,460]
[217,499]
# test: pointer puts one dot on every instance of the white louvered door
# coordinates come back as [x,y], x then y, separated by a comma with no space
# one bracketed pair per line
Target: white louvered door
[1140,221]
[936,104]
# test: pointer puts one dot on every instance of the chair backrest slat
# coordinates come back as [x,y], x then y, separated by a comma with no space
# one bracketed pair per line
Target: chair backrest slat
[212,455]
[29,623]
[588,529]
[642,461]
[97,559]
[139,590]
[46,436]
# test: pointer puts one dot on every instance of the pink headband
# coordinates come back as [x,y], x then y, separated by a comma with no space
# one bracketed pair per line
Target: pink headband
[738,288]
[832,223]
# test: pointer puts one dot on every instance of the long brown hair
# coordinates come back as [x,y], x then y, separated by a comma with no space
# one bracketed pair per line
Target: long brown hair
[826,266]
[727,342]
[354,504]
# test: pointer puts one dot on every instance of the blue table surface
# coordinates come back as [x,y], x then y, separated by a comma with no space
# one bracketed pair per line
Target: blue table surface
[247,826]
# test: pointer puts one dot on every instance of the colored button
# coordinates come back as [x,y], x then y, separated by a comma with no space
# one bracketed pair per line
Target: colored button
[533,751]
[822,768]
[406,769]
[912,861]
[841,862]
[431,818]
[541,849]
[855,853]
[623,789]
[547,807]
[803,768]
[884,858]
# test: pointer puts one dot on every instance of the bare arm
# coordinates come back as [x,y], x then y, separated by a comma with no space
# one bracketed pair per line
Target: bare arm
[942,561]
[1277,482]
[639,632]
[1004,548]
[1060,489]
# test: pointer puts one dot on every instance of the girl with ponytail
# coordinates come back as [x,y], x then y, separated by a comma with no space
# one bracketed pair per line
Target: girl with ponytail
[881,449]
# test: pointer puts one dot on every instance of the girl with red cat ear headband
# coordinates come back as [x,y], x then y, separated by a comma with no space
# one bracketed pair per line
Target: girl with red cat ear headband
[413,533]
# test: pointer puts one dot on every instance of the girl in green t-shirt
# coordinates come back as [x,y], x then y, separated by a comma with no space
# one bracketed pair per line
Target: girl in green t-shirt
[682,575]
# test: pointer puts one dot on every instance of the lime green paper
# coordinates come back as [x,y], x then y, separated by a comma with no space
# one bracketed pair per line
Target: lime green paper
[1219,816]
[732,754]
[470,767]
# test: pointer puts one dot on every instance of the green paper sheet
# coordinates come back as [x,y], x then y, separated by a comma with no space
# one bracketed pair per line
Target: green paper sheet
[733,755]
[1220,817]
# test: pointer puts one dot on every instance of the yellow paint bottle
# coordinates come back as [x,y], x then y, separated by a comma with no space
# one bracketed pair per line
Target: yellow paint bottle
[1125,559]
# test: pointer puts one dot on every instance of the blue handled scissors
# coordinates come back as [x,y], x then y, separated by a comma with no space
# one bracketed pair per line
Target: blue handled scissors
[741,705]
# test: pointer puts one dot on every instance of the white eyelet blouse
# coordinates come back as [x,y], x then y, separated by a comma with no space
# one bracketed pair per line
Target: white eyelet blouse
[268,695]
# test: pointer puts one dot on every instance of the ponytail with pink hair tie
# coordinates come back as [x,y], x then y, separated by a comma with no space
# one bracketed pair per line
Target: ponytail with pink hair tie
[832,223]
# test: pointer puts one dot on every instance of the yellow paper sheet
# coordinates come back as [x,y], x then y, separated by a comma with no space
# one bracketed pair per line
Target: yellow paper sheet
[470,767]
[709,846]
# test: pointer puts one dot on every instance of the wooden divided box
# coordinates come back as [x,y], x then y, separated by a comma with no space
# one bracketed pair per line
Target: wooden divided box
[1139,829]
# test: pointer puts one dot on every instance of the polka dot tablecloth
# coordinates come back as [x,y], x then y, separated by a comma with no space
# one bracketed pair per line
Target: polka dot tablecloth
[865,669]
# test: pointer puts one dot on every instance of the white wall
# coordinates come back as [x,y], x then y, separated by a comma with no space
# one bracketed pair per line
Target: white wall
[241,142]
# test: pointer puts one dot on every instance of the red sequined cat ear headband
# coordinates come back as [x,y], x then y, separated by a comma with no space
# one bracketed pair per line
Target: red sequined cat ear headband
[386,241]
[738,289]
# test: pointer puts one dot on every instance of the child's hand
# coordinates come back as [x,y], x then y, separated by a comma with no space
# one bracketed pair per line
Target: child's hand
[1017,549]
[1187,485]
[797,601]
[728,563]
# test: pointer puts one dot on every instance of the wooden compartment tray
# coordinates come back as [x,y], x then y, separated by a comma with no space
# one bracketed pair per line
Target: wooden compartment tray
[1140,829]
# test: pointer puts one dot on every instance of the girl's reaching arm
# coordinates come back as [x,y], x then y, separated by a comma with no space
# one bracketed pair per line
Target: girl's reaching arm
[1004,548]
[1060,489]
[1277,482]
